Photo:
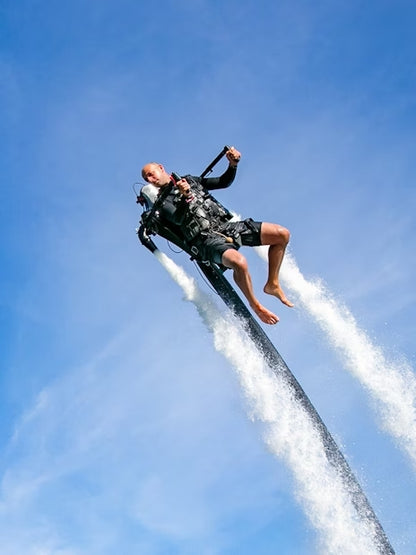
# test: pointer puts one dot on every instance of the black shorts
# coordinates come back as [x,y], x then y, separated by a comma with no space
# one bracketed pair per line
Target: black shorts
[214,244]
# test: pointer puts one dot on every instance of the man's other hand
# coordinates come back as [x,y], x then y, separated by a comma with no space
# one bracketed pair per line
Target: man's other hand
[233,156]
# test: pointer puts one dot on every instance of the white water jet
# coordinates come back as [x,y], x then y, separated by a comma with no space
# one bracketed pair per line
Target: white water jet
[392,385]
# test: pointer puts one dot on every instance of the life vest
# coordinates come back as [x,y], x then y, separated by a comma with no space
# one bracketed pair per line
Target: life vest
[204,212]
[190,218]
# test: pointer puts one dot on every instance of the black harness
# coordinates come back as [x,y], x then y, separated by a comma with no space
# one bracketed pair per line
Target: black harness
[205,214]
[192,218]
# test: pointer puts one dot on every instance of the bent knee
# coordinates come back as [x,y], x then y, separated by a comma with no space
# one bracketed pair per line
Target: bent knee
[285,234]
[273,234]
[234,260]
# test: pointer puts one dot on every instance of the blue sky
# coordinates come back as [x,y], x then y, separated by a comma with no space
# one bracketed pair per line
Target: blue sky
[122,429]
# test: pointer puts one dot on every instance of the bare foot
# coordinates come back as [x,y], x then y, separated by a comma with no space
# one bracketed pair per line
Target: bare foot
[277,291]
[265,315]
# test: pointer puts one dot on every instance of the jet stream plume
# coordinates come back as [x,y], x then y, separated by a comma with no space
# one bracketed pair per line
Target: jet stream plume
[392,385]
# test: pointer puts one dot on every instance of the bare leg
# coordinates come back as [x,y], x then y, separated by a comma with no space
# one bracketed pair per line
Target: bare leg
[277,237]
[236,261]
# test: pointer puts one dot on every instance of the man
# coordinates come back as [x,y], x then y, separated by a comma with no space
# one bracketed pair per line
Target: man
[206,228]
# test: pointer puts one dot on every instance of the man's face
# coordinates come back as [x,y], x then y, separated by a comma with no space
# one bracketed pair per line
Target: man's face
[156,175]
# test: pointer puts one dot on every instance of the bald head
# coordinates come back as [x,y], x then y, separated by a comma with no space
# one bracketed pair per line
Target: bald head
[155,174]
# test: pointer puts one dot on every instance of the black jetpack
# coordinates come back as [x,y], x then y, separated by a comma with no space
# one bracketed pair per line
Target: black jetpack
[150,223]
